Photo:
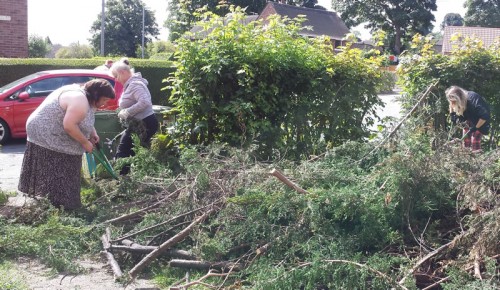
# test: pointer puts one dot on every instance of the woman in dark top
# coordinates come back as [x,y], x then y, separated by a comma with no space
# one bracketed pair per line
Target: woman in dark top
[471,108]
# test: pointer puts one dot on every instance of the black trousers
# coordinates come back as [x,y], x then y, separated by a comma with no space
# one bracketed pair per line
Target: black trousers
[125,148]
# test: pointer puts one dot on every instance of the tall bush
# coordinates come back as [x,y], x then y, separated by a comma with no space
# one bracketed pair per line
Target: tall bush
[263,83]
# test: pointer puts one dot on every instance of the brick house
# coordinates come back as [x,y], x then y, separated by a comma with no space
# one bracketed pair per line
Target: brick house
[486,34]
[323,22]
[14,28]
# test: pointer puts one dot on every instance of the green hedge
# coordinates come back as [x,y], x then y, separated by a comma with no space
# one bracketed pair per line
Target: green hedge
[154,71]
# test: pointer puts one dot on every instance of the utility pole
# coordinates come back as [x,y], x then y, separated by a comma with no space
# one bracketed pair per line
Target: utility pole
[142,31]
[102,29]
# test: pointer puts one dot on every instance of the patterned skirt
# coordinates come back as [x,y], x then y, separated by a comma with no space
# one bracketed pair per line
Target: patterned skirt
[53,175]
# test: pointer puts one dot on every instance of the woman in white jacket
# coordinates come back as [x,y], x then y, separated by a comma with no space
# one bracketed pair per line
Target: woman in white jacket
[135,103]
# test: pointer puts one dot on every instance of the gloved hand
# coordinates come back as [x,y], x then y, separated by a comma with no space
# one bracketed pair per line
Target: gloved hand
[471,130]
[123,114]
[453,117]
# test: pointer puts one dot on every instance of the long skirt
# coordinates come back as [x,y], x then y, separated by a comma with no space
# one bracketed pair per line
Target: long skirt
[51,174]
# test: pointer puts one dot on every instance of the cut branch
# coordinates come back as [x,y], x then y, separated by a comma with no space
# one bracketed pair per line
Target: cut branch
[141,211]
[205,265]
[160,224]
[132,247]
[427,257]
[200,281]
[418,104]
[276,173]
[111,259]
[167,245]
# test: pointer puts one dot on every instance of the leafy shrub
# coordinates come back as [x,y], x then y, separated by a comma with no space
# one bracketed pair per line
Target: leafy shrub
[264,84]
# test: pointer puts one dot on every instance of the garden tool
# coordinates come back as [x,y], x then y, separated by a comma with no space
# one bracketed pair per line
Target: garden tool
[98,154]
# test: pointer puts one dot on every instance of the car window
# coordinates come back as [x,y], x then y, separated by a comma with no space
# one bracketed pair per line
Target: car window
[19,81]
[44,87]
[76,80]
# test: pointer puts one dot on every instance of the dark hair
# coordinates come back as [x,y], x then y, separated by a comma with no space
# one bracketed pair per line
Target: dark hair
[98,88]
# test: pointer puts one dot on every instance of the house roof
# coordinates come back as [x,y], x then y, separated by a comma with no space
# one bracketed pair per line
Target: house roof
[486,34]
[322,22]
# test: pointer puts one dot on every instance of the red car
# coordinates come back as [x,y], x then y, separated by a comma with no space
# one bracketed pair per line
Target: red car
[21,97]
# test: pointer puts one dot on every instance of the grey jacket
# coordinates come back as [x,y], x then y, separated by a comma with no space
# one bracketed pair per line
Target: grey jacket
[136,97]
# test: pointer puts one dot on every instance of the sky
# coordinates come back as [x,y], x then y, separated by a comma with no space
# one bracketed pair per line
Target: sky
[69,21]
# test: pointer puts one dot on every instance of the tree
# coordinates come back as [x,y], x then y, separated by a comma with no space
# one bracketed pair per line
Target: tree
[399,18]
[123,28]
[181,15]
[452,19]
[485,13]
[75,50]
[37,46]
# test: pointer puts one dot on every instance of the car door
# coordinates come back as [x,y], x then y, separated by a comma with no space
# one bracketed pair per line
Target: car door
[37,92]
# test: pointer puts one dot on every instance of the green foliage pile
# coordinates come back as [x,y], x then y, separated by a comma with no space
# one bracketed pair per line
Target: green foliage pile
[264,84]
[471,65]
[366,219]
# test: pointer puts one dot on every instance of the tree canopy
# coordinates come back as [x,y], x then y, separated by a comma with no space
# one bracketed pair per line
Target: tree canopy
[181,17]
[452,19]
[400,19]
[38,46]
[123,28]
[485,13]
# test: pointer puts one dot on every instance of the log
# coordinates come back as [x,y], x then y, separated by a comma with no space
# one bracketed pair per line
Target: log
[111,259]
[167,245]
[276,173]
[205,265]
[132,247]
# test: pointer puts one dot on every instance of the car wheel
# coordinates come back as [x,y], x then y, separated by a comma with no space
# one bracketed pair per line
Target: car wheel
[4,132]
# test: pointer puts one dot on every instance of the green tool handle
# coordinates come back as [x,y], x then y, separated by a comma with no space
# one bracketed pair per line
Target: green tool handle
[101,157]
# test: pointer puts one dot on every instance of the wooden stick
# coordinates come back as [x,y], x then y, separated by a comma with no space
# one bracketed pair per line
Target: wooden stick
[420,101]
[204,265]
[167,245]
[200,281]
[276,173]
[160,224]
[427,257]
[139,212]
[111,259]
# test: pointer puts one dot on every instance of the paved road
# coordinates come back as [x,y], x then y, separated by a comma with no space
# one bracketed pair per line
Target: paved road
[11,158]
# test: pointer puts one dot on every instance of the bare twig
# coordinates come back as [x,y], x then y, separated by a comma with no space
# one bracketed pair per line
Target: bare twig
[276,173]
[419,102]
[204,265]
[141,211]
[166,245]
[160,224]
[200,281]
[427,257]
